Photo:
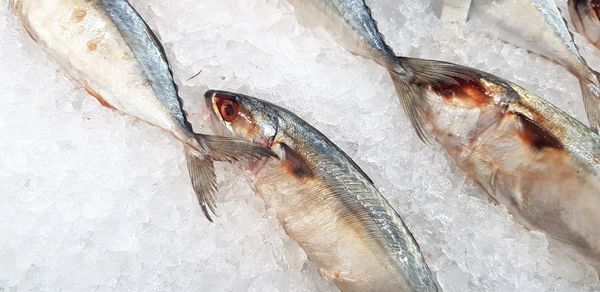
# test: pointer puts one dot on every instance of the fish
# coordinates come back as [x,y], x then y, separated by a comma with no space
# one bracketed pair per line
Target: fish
[538,26]
[324,201]
[523,152]
[584,17]
[106,47]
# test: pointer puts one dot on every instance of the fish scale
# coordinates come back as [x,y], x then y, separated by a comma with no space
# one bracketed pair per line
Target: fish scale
[524,152]
[107,47]
[325,201]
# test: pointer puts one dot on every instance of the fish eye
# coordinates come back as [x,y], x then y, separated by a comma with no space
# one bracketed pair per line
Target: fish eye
[229,109]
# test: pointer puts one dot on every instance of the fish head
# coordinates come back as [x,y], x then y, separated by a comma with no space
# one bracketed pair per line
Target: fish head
[242,116]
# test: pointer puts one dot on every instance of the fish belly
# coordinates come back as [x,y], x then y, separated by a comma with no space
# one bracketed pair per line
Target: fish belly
[82,38]
[330,234]
[542,186]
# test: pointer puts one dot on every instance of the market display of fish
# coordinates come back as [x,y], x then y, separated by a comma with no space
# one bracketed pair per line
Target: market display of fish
[324,200]
[107,48]
[525,153]
[538,26]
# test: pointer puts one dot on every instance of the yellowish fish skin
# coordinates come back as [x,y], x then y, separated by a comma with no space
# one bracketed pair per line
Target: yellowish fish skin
[325,202]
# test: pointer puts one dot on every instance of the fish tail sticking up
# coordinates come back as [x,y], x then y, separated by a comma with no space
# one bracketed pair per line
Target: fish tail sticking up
[204,181]
[201,165]
[412,76]
[591,100]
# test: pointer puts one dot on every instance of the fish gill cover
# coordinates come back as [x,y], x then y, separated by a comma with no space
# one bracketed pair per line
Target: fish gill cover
[92,200]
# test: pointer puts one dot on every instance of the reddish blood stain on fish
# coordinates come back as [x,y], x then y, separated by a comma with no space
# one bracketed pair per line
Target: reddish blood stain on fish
[97,95]
[596,7]
[536,136]
[469,91]
[92,45]
[295,163]
[78,15]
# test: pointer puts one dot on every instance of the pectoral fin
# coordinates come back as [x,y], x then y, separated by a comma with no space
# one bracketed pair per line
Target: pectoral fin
[231,149]
[201,168]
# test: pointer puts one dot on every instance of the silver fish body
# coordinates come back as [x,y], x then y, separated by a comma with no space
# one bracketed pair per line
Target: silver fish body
[325,201]
[525,153]
[538,26]
[107,47]
[349,22]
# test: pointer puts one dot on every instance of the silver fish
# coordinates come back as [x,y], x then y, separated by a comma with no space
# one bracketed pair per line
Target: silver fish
[538,26]
[325,201]
[524,152]
[106,46]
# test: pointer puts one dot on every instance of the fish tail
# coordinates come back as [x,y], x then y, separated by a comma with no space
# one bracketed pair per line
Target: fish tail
[204,181]
[590,90]
[200,160]
[412,76]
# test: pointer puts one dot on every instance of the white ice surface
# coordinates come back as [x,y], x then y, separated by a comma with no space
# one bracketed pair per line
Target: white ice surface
[91,200]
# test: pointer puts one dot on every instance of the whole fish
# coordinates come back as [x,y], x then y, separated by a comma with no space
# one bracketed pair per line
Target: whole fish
[524,152]
[585,16]
[107,47]
[538,26]
[324,200]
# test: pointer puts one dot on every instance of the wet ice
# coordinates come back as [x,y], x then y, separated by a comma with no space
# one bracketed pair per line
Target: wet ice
[93,200]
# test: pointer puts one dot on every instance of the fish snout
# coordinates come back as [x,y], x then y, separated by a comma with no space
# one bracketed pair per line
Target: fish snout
[208,96]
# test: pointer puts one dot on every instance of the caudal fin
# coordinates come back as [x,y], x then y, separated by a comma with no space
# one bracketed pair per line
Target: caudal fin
[591,100]
[204,181]
[201,165]
[411,77]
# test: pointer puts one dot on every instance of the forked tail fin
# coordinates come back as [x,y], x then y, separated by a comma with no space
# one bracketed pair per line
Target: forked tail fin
[201,168]
[590,91]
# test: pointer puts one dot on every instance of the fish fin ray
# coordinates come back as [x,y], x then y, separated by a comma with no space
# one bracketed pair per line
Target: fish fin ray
[201,168]
[230,149]
[591,100]
[341,184]
[204,180]
[410,76]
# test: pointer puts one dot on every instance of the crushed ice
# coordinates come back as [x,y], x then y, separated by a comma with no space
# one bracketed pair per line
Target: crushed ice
[92,200]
